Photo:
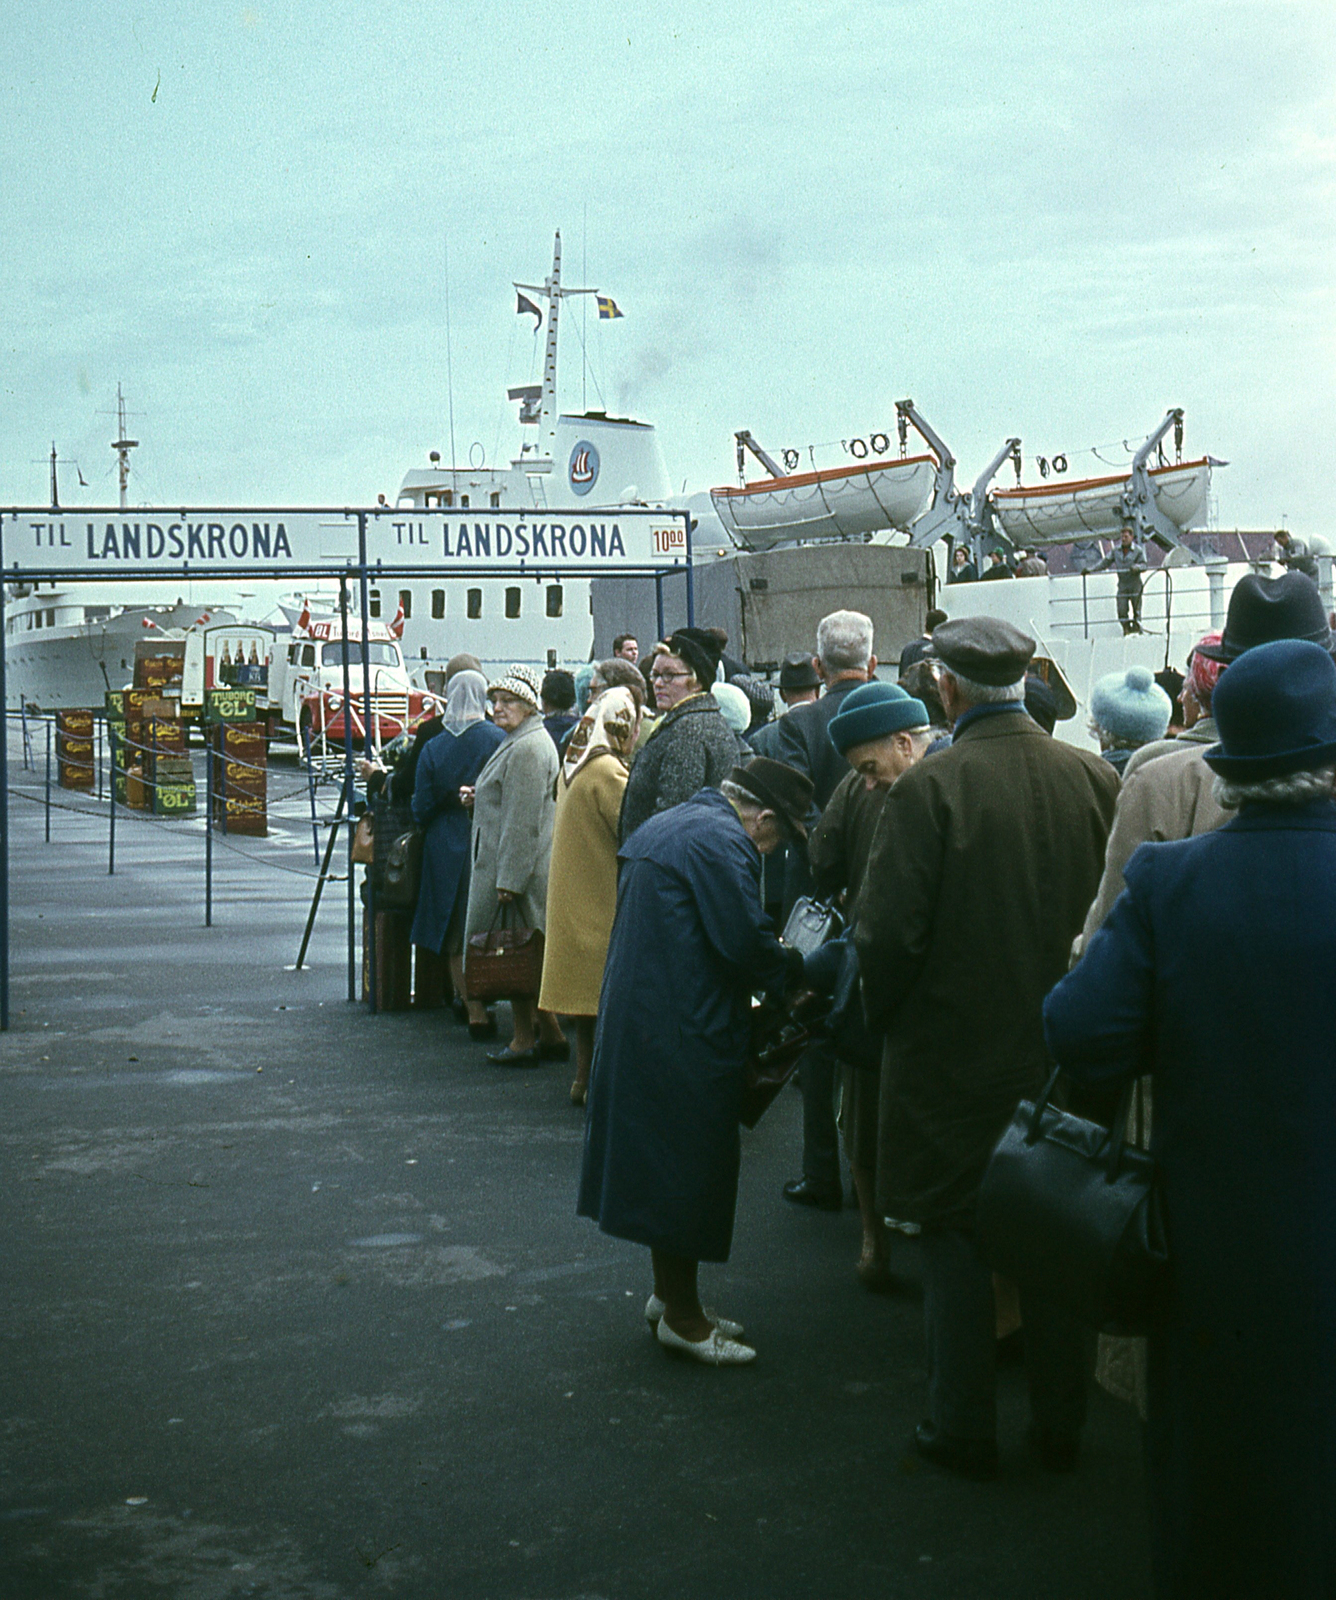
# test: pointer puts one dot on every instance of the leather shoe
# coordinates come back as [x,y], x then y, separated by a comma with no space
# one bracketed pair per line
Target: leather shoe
[1057,1452]
[716,1351]
[514,1058]
[483,1030]
[554,1049]
[803,1192]
[967,1458]
[654,1309]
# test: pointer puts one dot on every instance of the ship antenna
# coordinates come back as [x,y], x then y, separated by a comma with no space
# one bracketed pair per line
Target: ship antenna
[123,446]
[449,365]
[55,493]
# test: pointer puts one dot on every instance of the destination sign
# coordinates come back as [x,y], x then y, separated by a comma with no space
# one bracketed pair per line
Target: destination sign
[235,543]
[629,536]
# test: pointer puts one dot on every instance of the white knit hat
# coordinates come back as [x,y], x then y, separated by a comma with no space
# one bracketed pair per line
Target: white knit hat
[522,682]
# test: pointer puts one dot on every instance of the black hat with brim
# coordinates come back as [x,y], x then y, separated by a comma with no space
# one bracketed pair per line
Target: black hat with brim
[797,672]
[1262,610]
[780,788]
[1276,712]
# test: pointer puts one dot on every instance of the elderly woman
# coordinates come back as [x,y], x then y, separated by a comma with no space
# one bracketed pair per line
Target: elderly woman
[1127,710]
[513,807]
[1212,972]
[449,762]
[582,885]
[692,746]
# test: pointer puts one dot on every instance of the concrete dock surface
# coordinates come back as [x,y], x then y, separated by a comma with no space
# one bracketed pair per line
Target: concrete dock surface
[294,1302]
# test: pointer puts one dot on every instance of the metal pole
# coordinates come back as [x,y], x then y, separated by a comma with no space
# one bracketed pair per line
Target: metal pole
[25,736]
[310,789]
[658,604]
[208,832]
[222,771]
[370,911]
[348,785]
[4,825]
[98,726]
[691,587]
[320,881]
[111,809]
[48,782]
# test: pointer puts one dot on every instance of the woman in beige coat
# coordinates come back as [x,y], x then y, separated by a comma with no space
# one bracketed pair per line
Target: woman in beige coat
[582,886]
[513,808]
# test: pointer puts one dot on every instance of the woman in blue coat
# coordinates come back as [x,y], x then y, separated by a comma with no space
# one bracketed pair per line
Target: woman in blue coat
[1213,972]
[448,763]
[690,945]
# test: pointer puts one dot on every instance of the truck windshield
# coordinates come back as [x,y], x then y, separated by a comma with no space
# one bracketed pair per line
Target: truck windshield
[379,653]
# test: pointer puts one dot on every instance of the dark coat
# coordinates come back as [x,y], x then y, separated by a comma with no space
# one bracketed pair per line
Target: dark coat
[985,859]
[692,748]
[804,741]
[1213,973]
[839,846]
[689,945]
[445,765]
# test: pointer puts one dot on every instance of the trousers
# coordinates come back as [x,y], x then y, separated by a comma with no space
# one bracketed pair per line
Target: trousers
[818,1071]
[959,1322]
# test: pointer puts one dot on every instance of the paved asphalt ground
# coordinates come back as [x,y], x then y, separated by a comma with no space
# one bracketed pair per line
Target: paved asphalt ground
[294,1303]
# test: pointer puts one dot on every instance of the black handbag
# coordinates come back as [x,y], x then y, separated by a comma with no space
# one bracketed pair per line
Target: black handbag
[810,924]
[402,875]
[1072,1211]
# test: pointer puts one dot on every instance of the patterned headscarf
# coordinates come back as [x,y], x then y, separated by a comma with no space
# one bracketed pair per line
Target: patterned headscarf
[607,728]
[1203,673]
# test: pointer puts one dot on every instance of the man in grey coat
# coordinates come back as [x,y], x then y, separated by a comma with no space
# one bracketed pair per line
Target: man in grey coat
[985,858]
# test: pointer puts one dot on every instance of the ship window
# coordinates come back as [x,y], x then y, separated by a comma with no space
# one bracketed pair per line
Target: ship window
[431,500]
[294,650]
[464,501]
[373,603]
[447,499]
[496,498]
[96,613]
[34,619]
[423,652]
[554,598]
[437,604]
[512,603]
[51,618]
[475,603]
[406,602]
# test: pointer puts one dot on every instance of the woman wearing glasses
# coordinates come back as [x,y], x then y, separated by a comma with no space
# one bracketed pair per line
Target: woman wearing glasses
[692,747]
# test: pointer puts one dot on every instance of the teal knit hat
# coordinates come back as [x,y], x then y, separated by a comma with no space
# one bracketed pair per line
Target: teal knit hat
[874,710]
[1131,706]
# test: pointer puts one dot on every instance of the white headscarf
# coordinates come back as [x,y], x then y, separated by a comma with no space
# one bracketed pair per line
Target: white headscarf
[607,728]
[465,702]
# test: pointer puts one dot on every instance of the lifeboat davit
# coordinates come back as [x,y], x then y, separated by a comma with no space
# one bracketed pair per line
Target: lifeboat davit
[1054,513]
[837,503]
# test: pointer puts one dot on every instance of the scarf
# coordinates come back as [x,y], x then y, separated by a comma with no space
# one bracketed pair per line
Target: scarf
[465,702]
[607,728]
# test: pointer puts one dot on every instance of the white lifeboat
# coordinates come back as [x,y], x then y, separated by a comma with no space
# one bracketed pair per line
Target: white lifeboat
[1053,513]
[836,503]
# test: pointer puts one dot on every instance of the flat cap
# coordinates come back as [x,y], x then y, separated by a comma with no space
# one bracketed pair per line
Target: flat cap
[985,649]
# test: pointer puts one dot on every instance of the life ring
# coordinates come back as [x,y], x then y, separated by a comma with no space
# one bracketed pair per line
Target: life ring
[1059,463]
[881,444]
[857,449]
[791,459]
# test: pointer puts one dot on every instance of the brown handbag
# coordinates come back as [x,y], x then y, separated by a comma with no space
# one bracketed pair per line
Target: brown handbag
[364,841]
[779,1038]
[505,963]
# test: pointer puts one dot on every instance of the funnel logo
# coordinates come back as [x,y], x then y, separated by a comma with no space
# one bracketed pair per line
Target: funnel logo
[583,471]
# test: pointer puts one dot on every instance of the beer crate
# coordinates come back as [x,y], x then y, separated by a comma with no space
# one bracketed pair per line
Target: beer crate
[75,768]
[115,706]
[229,704]
[173,799]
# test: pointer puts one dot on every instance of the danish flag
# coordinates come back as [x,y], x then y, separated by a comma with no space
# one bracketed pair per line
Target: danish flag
[397,626]
[304,621]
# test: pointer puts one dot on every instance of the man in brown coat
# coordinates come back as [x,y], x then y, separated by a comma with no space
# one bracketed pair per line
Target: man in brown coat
[985,859]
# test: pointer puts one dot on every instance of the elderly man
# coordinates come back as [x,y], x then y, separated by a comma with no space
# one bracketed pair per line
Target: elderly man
[798,686]
[881,731]
[690,945]
[984,862]
[844,659]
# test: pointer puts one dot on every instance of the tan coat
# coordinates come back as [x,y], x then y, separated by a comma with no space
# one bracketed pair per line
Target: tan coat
[1165,794]
[582,887]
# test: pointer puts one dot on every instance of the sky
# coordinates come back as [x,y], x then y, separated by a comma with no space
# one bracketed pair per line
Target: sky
[1035,219]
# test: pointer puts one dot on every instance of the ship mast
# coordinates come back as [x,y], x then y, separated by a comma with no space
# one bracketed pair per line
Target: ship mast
[122,446]
[554,292]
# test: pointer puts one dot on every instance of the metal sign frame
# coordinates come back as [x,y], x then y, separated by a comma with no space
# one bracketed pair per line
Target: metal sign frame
[223,529]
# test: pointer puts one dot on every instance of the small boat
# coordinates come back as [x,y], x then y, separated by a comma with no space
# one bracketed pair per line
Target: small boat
[835,503]
[1054,513]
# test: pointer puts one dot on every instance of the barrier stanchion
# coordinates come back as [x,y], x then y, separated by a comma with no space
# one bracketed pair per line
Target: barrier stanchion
[111,807]
[208,835]
[27,737]
[310,789]
[324,874]
[98,726]
[48,782]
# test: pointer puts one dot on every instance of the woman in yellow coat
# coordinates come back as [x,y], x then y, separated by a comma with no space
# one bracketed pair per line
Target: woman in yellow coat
[582,879]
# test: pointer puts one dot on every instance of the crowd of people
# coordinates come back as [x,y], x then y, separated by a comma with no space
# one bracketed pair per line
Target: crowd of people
[1162,912]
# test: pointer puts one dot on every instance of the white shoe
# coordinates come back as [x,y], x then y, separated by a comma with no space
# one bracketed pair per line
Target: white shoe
[716,1351]
[654,1309]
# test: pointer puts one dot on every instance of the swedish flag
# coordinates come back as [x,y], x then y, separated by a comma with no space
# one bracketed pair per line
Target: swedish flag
[607,307]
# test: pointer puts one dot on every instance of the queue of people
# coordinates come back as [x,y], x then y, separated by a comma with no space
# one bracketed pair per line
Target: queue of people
[1161,913]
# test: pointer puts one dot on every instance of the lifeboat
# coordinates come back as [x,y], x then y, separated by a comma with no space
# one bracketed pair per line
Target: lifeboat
[1053,513]
[837,503]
